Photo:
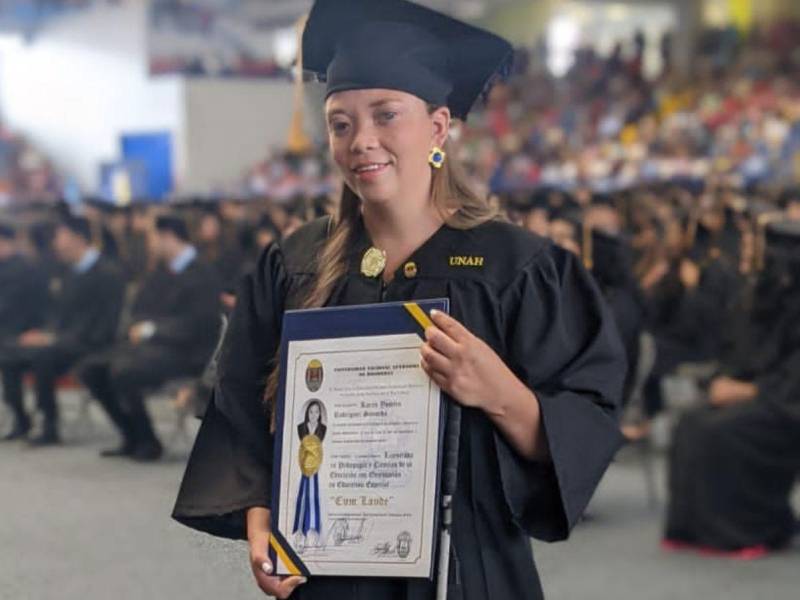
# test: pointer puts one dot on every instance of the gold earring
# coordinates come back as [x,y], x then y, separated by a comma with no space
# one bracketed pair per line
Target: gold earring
[436,157]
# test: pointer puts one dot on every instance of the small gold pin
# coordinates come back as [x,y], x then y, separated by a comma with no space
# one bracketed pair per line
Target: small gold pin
[373,263]
[410,270]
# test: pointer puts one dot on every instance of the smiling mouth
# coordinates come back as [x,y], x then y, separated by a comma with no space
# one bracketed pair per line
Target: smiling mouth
[370,168]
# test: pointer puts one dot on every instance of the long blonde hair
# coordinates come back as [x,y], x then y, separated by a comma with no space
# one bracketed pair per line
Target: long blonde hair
[452,195]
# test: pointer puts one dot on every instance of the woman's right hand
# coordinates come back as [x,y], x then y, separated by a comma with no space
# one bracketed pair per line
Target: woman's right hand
[258,534]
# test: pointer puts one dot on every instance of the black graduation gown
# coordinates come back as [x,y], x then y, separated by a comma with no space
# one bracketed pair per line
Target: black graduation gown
[532,303]
[185,310]
[24,297]
[689,325]
[88,308]
[732,469]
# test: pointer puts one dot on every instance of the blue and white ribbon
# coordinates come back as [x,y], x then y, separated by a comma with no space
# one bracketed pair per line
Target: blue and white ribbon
[307,515]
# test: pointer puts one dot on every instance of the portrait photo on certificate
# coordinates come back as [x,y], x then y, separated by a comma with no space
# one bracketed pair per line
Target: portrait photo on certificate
[358,435]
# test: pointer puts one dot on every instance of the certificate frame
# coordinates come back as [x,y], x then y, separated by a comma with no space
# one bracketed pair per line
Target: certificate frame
[301,484]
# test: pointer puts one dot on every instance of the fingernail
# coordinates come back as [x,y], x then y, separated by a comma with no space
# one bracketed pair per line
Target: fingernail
[303,580]
[434,312]
[267,568]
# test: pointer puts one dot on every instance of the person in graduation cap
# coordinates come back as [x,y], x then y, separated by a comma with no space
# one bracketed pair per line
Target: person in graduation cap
[733,462]
[529,350]
[85,316]
[174,324]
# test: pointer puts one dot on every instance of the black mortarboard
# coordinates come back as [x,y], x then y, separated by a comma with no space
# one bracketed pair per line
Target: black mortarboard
[779,283]
[173,224]
[604,199]
[788,196]
[783,240]
[609,257]
[7,231]
[78,225]
[399,45]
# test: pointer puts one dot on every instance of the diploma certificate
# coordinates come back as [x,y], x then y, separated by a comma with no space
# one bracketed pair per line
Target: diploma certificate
[360,432]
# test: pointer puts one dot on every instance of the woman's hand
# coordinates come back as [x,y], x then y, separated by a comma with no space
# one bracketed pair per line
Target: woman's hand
[462,364]
[467,369]
[258,534]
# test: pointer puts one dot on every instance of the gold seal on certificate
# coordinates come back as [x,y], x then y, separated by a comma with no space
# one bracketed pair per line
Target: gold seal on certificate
[310,455]
[358,445]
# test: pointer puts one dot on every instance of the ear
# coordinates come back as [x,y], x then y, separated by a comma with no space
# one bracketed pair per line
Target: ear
[440,119]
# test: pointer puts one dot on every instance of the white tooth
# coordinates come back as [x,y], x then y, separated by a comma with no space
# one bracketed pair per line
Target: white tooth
[373,167]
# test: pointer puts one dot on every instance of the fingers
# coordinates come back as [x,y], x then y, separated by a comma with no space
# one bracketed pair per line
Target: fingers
[436,361]
[450,326]
[441,342]
[280,587]
[289,584]
[439,378]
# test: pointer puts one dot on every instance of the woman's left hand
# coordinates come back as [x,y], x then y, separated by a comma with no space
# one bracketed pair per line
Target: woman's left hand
[463,365]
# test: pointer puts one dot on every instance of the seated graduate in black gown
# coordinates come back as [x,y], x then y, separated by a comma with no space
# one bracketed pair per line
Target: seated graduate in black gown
[530,350]
[733,463]
[24,299]
[86,315]
[24,289]
[606,253]
[688,310]
[175,325]
[612,266]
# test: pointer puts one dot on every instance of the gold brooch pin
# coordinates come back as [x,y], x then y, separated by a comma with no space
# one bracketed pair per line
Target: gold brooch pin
[373,263]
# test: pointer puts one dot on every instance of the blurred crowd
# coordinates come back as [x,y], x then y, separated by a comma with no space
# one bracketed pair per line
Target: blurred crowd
[26,174]
[607,127]
[680,201]
[680,259]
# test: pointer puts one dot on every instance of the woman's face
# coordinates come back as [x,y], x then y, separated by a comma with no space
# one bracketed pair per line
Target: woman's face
[313,413]
[381,139]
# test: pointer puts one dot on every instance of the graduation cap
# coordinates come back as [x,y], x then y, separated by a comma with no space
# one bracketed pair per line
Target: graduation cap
[173,224]
[608,255]
[783,240]
[540,199]
[399,45]
[779,280]
[789,196]
[80,226]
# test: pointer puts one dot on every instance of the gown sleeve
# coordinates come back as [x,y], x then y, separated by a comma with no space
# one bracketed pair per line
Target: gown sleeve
[230,467]
[563,344]
[780,387]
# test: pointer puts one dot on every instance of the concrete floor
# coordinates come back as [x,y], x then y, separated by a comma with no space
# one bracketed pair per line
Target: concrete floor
[74,527]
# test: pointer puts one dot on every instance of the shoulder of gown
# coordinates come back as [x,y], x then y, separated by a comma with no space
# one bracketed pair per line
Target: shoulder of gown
[503,249]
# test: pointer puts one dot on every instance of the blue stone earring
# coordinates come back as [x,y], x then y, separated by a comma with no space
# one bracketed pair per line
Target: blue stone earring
[436,157]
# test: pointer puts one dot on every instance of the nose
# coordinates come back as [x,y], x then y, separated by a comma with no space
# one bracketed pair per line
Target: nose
[364,139]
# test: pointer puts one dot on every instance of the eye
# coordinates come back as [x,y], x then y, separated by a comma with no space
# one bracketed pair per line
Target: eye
[339,127]
[386,115]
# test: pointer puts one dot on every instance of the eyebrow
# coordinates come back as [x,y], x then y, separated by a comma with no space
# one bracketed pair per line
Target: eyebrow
[375,104]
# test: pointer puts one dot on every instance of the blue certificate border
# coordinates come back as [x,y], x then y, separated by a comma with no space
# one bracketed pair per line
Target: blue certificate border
[387,318]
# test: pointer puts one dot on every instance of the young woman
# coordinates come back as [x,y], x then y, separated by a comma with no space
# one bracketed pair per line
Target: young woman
[529,349]
[307,517]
